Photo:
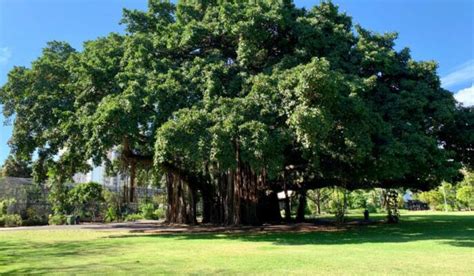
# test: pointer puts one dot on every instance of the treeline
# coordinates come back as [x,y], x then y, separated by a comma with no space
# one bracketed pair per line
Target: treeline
[446,197]
[451,197]
[232,102]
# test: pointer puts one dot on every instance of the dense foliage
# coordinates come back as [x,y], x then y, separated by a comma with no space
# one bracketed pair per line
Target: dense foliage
[448,197]
[15,168]
[7,218]
[234,101]
[85,199]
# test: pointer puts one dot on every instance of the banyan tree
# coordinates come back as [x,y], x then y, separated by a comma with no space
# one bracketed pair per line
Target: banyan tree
[231,102]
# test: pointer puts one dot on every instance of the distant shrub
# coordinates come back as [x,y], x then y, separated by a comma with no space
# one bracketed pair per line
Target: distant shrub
[443,207]
[371,208]
[33,218]
[35,221]
[159,213]
[86,199]
[133,217]
[465,195]
[111,215]
[5,204]
[358,199]
[56,219]
[111,212]
[6,218]
[151,210]
[147,210]
[11,220]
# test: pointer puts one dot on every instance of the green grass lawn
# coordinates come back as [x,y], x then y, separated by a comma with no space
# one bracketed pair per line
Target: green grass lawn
[423,243]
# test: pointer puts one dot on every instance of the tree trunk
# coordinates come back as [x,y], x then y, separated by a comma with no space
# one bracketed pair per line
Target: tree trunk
[301,206]
[243,201]
[383,199]
[132,181]
[231,197]
[268,208]
[207,204]
[125,192]
[237,187]
[287,205]
[249,198]
[181,201]
[344,205]
[318,200]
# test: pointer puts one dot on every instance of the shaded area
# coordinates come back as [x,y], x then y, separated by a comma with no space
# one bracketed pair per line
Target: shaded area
[455,230]
[99,250]
[21,252]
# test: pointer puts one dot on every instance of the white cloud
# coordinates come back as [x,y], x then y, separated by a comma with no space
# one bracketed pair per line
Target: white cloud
[465,96]
[463,74]
[5,54]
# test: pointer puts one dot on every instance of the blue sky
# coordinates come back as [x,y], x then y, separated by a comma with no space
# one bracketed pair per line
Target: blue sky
[441,30]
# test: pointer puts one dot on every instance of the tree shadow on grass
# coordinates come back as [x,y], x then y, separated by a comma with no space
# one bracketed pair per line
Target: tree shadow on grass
[452,230]
[462,243]
[21,252]
[69,257]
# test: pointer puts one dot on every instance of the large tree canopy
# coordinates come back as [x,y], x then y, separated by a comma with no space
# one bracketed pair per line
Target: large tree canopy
[237,100]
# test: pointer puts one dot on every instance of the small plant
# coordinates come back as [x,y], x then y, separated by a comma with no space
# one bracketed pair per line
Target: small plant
[56,219]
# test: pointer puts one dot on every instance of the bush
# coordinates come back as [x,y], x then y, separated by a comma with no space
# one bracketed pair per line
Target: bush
[86,199]
[443,207]
[33,218]
[112,204]
[35,221]
[11,220]
[371,208]
[465,196]
[111,215]
[56,219]
[147,210]
[358,199]
[133,217]
[5,205]
[57,192]
[159,213]
[7,219]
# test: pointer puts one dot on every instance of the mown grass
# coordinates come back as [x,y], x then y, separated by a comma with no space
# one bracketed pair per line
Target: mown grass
[423,243]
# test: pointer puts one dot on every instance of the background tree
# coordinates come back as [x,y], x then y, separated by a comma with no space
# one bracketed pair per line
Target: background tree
[465,191]
[16,168]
